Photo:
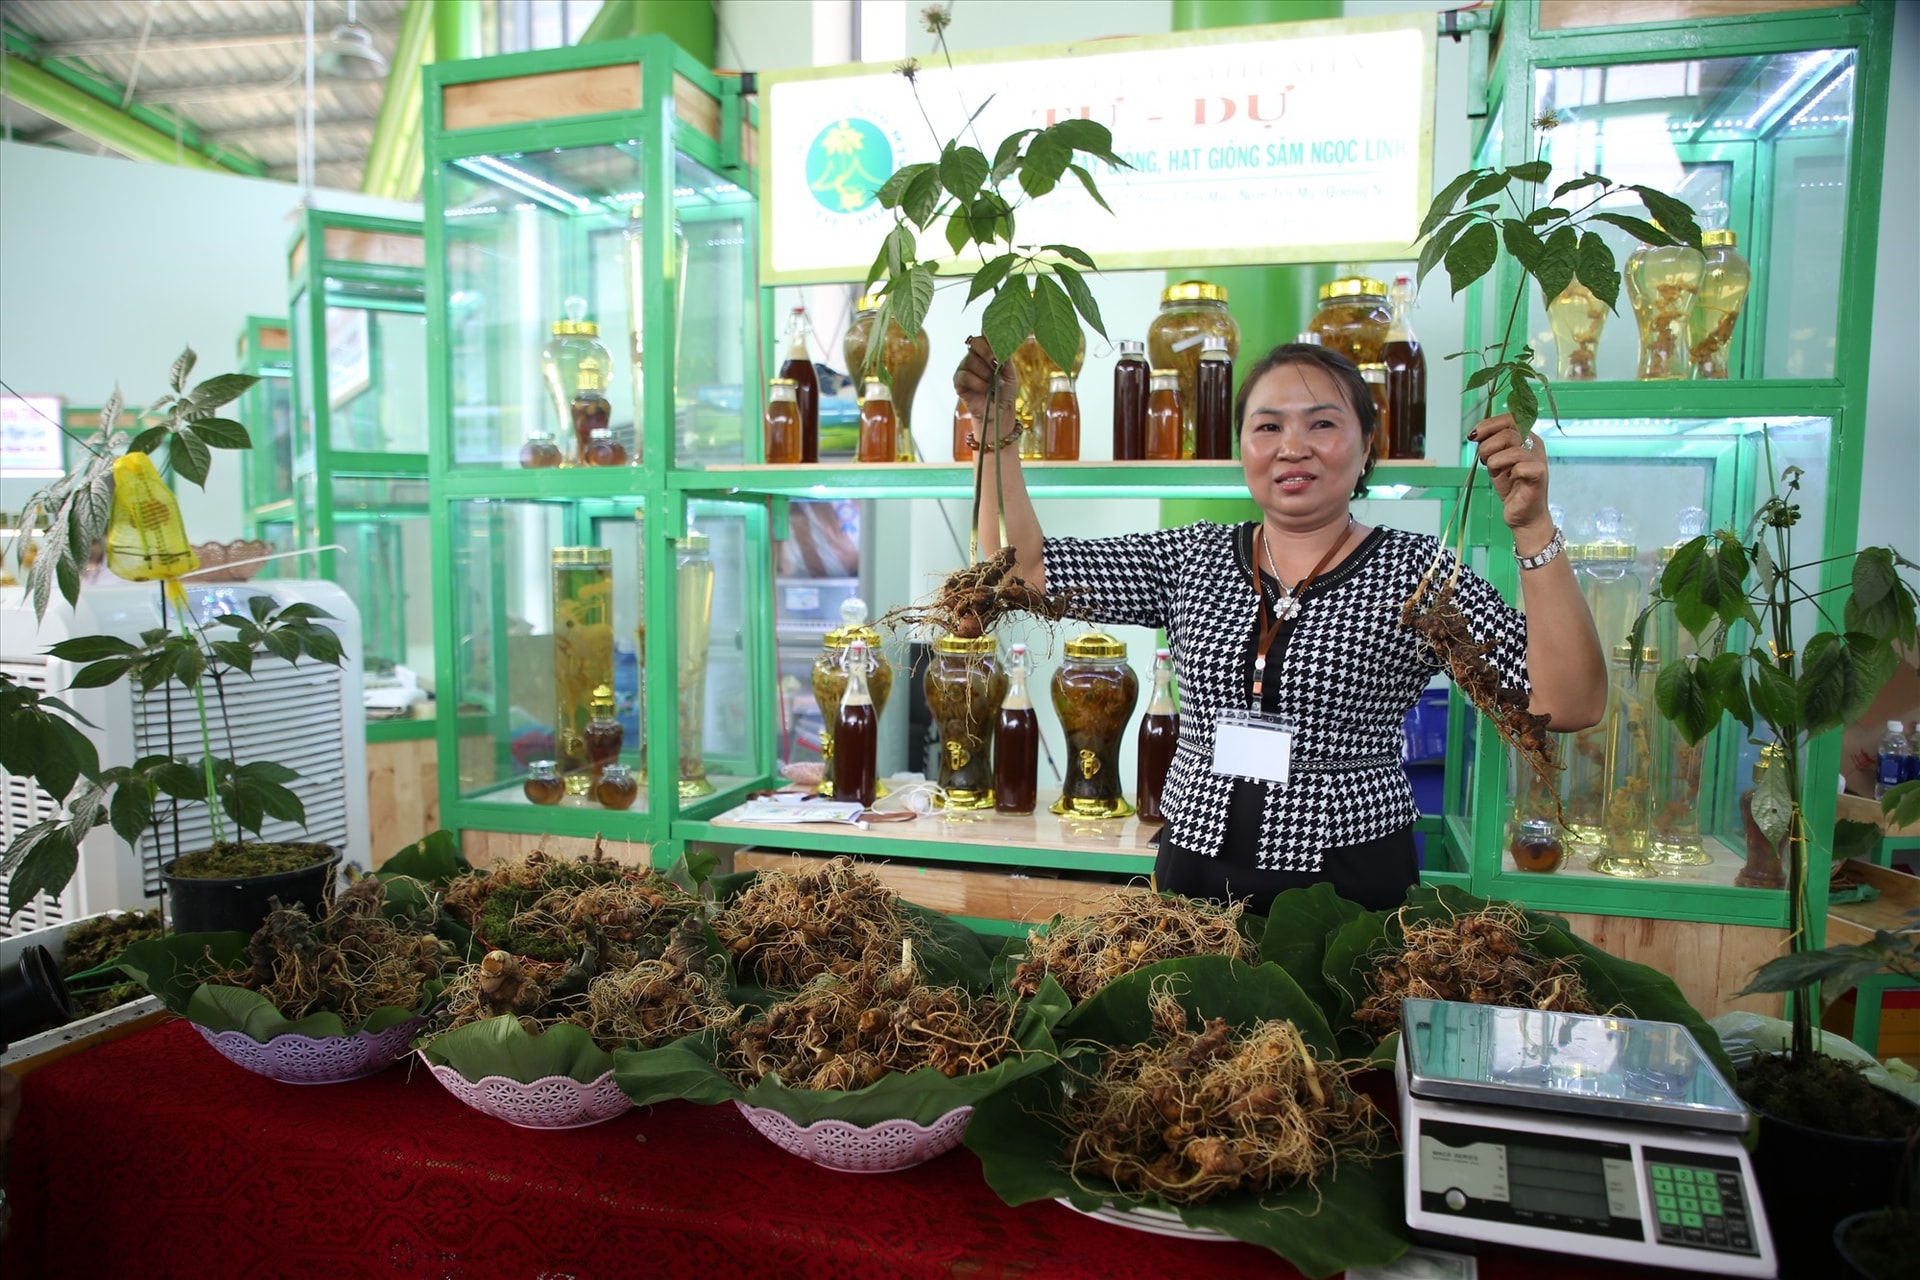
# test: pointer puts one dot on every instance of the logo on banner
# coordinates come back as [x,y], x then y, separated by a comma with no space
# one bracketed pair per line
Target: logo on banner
[848,162]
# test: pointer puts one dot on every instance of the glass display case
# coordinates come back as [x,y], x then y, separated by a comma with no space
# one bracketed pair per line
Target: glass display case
[1771,125]
[266,410]
[357,454]
[594,329]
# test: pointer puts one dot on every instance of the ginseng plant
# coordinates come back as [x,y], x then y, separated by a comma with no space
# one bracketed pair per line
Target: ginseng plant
[1554,247]
[1030,290]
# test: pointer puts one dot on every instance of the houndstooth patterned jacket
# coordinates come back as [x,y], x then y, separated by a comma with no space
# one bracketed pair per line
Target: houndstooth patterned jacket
[1350,672]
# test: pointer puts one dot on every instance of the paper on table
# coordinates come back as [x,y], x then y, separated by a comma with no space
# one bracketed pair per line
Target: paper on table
[779,812]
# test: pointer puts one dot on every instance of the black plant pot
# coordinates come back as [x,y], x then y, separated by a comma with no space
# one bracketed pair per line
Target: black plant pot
[1809,1180]
[1857,1268]
[240,904]
[33,996]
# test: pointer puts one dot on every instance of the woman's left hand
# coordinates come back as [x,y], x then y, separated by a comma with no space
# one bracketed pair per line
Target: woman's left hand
[1518,468]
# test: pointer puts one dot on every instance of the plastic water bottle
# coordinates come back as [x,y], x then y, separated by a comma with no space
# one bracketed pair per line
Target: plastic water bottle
[1896,760]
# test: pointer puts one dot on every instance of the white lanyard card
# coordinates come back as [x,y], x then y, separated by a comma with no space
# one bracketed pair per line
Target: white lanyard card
[1253,744]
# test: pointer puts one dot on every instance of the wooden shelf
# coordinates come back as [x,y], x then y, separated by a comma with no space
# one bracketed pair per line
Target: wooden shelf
[1856,922]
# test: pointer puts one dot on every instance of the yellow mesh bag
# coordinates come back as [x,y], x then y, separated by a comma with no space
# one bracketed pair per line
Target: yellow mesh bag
[146,539]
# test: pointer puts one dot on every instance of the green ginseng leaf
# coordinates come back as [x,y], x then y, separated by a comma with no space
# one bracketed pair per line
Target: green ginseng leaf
[1674,216]
[1558,256]
[959,229]
[921,198]
[1008,318]
[1638,228]
[1544,214]
[1007,156]
[1472,255]
[1089,136]
[990,275]
[1575,184]
[1083,299]
[1491,185]
[894,189]
[909,300]
[1522,404]
[1054,322]
[1683,697]
[1775,698]
[1438,243]
[1773,804]
[963,169]
[176,376]
[1532,171]
[1725,675]
[1522,243]
[216,391]
[1596,270]
[1086,180]
[1046,160]
[1881,605]
[1449,196]
[190,456]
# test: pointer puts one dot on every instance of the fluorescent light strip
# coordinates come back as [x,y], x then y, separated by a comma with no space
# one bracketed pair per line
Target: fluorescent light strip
[1793,83]
[1845,77]
[525,183]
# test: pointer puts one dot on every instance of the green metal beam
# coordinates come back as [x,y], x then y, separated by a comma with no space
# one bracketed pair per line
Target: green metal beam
[396,132]
[22,52]
[88,116]
[456,30]
[688,23]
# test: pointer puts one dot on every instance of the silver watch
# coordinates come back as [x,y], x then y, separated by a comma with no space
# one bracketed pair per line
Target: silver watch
[1555,545]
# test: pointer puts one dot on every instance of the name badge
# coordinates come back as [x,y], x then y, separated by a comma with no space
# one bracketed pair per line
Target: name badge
[1253,744]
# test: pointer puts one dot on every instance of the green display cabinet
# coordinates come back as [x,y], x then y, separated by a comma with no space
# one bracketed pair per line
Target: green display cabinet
[1772,124]
[357,325]
[590,224]
[266,410]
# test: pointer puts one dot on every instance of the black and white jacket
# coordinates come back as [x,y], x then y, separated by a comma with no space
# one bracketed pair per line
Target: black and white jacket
[1350,673]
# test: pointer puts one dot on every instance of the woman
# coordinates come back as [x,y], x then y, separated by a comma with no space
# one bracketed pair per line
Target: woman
[1321,651]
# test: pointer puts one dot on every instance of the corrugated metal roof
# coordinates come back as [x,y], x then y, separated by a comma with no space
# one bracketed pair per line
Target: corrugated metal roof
[235,70]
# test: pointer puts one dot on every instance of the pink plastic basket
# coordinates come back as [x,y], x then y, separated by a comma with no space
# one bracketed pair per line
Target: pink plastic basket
[296,1059]
[553,1102]
[880,1148]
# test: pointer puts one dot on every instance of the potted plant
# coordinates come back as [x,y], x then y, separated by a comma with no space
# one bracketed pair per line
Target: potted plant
[1830,1140]
[115,498]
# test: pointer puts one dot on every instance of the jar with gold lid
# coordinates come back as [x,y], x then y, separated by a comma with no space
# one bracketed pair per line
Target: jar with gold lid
[830,676]
[1675,840]
[965,686]
[1576,318]
[903,358]
[582,653]
[1353,318]
[1628,817]
[575,365]
[1190,312]
[1661,283]
[1034,372]
[1093,693]
[1723,291]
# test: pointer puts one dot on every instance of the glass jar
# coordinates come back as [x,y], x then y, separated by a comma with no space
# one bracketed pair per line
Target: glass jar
[1159,736]
[542,784]
[964,429]
[576,341]
[1093,693]
[965,686]
[1675,840]
[617,788]
[1016,741]
[1662,283]
[830,676]
[904,359]
[1535,847]
[604,733]
[1353,318]
[1060,437]
[582,653]
[1163,416]
[1723,291]
[1764,869]
[879,428]
[782,423]
[1213,414]
[540,453]
[693,581]
[1375,376]
[1535,799]
[1034,372]
[1190,312]
[604,451]
[1628,816]
[1576,317]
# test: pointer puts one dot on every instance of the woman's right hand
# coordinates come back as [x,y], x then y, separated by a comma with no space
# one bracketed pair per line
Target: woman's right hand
[971,380]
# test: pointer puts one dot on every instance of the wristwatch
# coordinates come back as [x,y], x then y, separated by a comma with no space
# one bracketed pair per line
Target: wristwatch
[1555,545]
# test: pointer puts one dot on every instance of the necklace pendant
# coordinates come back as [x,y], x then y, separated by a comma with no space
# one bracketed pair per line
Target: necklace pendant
[1286,608]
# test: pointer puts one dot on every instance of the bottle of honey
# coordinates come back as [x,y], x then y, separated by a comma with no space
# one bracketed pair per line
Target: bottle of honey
[1213,393]
[1159,733]
[1163,416]
[856,735]
[604,734]
[879,428]
[963,427]
[782,422]
[1060,437]
[1016,755]
[1130,378]
[806,383]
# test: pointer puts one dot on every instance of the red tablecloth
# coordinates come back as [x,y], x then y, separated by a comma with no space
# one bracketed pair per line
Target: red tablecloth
[151,1156]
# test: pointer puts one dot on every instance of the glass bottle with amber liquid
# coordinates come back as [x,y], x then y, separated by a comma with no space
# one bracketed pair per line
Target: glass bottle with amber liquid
[782,422]
[1159,729]
[603,450]
[856,735]
[1130,378]
[603,733]
[1163,417]
[806,383]
[591,411]
[1213,393]
[964,429]
[1662,282]
[879,429]
[1060,435]
[1016,756]
[1723,291]
[1406,377]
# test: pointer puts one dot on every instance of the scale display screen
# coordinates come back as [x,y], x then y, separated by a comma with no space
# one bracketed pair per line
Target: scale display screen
[1576,1064]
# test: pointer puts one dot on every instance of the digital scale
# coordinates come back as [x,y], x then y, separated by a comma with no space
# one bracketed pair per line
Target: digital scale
[1576,1133]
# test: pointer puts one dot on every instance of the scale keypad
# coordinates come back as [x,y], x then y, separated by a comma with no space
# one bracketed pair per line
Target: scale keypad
[1699,1201]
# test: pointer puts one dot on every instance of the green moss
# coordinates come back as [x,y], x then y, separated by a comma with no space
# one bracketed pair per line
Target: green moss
[96,942]
[235,859]
[1827,1094]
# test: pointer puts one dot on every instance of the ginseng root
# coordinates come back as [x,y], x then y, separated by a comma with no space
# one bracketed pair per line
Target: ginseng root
[1128,930]
[789,927]
[972,601]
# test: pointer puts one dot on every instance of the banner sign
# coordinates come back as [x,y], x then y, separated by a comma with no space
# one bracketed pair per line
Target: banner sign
[1294,142]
